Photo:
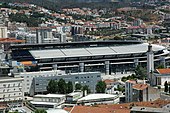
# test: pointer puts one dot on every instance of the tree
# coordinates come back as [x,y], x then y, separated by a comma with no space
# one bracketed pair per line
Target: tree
[100,87]
[40,111]
[62,86]
[140,72]
[78,86]
[52,86]
[69,87]
[166,87]
[86,88]
[161,66]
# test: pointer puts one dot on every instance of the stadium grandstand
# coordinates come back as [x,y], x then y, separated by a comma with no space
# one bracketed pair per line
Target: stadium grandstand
[105,56]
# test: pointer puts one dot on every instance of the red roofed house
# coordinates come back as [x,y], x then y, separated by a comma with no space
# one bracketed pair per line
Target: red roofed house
[138,91]
[144,92]
[162,75]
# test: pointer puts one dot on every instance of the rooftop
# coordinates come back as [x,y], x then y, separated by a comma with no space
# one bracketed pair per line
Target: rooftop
[10,40]
[9,79]
[150,109]
[96,109]
[140,86]
[93,51]
[97,96]
[117,108]
[163,71]
[56,111]
[51,95]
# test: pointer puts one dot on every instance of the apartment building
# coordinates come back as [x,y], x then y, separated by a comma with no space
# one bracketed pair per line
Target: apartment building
[11,90]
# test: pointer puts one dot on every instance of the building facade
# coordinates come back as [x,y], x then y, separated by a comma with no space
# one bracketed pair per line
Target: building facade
[84,78]
[11,90]
[29,76]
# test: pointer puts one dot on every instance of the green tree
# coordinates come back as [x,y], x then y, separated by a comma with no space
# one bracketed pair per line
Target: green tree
[14,112]
[78,86]
[62,86]
[86,88]
[166,87]
[124,79]
[40,111]
[140,72]
[161,66]
[100,87]
[52,86]
[69,87]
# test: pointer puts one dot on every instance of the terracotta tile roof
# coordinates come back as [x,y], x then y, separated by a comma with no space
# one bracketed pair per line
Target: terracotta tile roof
[96,109]
[117,108]
[10,40]
[109,81]
[140,86]
[163,71]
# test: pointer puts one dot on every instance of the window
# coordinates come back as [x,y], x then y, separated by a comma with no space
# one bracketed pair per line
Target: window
[76,77]
[4,85]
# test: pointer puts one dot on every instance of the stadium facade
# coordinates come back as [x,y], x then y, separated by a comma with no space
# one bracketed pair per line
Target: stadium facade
[105,56]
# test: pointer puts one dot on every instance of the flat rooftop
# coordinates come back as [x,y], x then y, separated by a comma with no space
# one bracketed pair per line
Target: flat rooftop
[150,110]
[93,51]
[97,96]
[50,95]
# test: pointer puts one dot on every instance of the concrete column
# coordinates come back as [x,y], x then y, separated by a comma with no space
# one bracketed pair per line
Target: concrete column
[136,62]
[55,66]
[81,67]
[107,67]
[162,60]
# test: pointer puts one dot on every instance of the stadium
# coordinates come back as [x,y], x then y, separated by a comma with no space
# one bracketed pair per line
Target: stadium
[105,56]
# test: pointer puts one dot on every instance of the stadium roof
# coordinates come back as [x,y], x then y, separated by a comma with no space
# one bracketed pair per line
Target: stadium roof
[93,51]
[74,44]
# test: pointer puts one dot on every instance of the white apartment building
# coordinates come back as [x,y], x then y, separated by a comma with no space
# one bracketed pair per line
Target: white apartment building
[11,90]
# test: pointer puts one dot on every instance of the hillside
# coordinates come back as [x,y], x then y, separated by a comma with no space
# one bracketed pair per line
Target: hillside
[58,4]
